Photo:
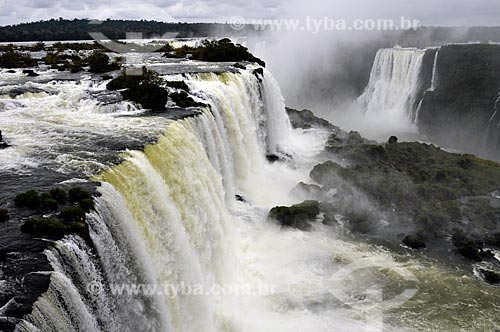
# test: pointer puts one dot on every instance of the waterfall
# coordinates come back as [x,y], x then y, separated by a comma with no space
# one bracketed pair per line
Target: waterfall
[163,217]
[434,72]
[394,85]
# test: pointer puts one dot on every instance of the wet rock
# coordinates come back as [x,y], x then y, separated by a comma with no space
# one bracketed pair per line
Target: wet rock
[392,140]
[297,216]
[30,73]
[240,198]
[3,144]
[146,90]
[491,277]
[272,158]
[4,215]
[414,242]
[184,100]
[307,191]
[306,119]
[181,85]
[239,66]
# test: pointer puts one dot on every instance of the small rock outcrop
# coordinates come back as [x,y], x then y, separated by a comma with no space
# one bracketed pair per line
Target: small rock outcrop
[297,216]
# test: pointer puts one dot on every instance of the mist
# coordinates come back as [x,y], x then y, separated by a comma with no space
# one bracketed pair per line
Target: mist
[327,70]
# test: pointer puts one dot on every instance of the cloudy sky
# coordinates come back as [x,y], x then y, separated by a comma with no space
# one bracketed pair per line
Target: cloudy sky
[429,12]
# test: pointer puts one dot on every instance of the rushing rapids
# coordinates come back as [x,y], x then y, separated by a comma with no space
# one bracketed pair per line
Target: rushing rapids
[167,216]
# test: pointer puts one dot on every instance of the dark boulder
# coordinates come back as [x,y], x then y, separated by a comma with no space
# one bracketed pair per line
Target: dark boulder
[297,216]
[491,277]
[146,90]
[306,119]
[272,158]
[240,198]
[392,140]
[30,73]
[181,85]
[4,215]
[239,66]
[3,144]
[414,242]
[184,100]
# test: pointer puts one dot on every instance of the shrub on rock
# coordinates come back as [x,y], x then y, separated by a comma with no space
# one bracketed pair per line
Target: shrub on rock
[48,203]
[44,226]
[58,194]
[100,63]
[53,227]
[72,214]
[217,51]
[13,59]
[146,90]
[29,199]
[78,194]
[87,204]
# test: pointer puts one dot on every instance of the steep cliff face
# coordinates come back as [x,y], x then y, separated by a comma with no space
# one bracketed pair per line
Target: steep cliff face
[458,108]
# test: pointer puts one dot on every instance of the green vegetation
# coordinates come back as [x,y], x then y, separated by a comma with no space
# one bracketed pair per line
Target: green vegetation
[72,214]
[14,59]
[29,199]
[147,90]
[77,194]
[78,29]
[47,203]
[99,63]
[59,195]
[87,204]
[416,184]
[296,216]
[53,227]
[216,51]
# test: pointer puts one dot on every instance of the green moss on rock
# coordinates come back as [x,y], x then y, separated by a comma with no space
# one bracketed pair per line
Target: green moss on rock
[78,194]
[296,216]
[59,195]
[29,199]
[72,214]
[146,89]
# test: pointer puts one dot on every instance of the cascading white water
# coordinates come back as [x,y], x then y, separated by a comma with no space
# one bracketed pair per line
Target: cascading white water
[393,84]
[391,96]
[167,216]
[434,72]
[178,227]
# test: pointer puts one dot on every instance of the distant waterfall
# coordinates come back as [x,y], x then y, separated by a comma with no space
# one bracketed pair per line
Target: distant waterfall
[393,89]
[163,218]
[434,72]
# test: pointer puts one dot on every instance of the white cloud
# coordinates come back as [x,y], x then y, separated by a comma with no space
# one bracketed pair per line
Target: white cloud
[443,12]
